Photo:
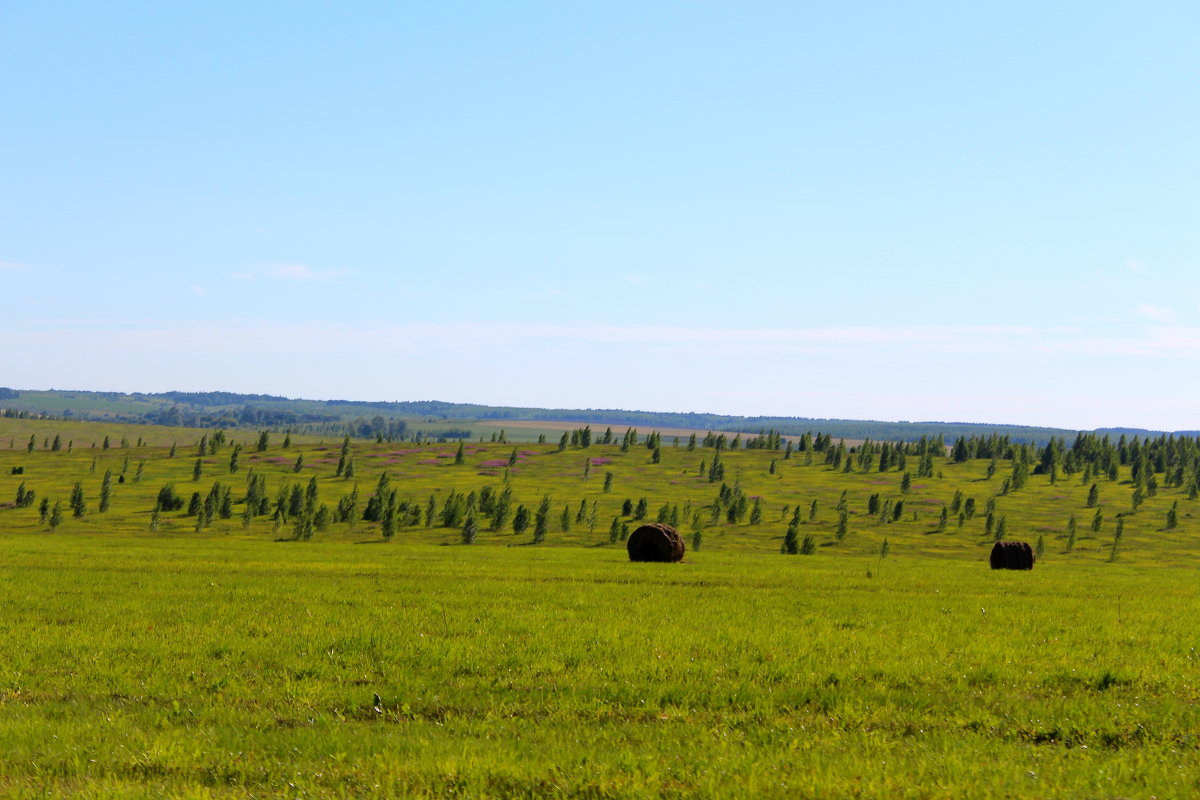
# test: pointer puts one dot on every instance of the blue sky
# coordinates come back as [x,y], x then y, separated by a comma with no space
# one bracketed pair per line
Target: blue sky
[870,210]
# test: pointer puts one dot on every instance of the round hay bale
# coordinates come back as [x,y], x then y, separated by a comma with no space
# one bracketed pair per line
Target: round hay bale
[655,542]
[1012,555]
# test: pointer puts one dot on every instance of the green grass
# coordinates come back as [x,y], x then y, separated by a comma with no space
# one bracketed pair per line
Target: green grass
[151,665]
[15,433]
[231,664]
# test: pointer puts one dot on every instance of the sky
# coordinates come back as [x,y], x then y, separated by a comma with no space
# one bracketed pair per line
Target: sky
[872,210]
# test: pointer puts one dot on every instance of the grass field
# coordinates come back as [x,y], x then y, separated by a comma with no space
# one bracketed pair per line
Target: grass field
[231,662]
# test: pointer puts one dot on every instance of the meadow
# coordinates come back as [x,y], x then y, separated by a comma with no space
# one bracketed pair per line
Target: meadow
[240,658]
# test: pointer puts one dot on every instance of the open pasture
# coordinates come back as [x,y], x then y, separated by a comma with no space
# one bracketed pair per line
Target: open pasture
[209,666]
[231,660]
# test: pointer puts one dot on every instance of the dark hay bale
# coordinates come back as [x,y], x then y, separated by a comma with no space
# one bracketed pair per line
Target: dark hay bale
[1012,555]
[656,542]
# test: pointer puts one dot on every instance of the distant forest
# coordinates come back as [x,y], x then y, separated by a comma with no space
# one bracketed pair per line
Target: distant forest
[390,420]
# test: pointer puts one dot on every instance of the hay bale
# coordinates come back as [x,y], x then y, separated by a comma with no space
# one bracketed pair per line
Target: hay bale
[655,542]
[1012,555]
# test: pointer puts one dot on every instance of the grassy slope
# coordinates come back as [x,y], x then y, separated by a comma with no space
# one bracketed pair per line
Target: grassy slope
[223,662]
[420,471]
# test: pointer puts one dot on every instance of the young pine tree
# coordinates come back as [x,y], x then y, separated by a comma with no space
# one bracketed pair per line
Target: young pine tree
[520,522]
[541,521]
[78,503]
[1118,534]
[106,491]
[470,529]
[791,540]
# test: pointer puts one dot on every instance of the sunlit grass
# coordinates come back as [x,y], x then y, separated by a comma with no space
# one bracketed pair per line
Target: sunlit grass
[229,663]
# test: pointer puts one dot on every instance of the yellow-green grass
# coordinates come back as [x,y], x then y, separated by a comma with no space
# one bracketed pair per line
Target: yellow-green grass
[227,663]
[144,667]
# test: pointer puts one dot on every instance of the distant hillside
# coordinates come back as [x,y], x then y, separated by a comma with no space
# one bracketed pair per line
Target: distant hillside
[391,419]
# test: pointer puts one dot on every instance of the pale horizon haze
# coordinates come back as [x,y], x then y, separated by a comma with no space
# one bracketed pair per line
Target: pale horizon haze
[861,210]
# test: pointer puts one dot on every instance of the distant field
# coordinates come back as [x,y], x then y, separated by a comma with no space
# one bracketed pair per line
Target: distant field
[76,402]
[229,659]
[332,416]
[15,433]
[533,428]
